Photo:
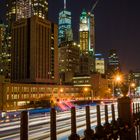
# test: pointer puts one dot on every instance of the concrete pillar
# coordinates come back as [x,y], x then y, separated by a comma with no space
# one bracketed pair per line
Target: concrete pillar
[73,135]
[24,127]
[125,109]
[89,133]
[98,115]
[113,112]
[106,114]
[53,124]
[100,134]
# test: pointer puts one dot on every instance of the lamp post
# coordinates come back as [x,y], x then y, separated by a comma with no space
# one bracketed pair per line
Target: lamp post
[131,85]
[117,79]
[85,91]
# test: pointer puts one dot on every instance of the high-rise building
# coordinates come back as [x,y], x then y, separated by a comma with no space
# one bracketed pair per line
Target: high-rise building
[24,9]
[113,65]
[34,51]
[87,43]
[87,33]
[2,36]
[65,28]
[16,10]
[84,32]
[4,53]
[91,25]
[40,8]
[69,54]
[99,63]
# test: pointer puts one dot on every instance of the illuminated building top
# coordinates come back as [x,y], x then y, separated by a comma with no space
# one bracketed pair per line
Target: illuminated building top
[84,21]
[65,28]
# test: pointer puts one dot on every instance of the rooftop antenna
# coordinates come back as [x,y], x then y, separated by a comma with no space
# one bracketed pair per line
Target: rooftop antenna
[94,6]
[64,4]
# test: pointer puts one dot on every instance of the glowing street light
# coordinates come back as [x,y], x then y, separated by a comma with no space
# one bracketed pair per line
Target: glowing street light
[131,85]
[85,89]
[117,79]
[61,90]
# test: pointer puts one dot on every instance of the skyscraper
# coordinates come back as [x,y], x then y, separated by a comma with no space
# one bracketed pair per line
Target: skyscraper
[99,63]
[2,35]
[91,26]
[24,9]
[40,8]
[69,54]
[84,32]
[113,63]
[34,51]
[87,43]
[65,28]
[16,10]
[87,32]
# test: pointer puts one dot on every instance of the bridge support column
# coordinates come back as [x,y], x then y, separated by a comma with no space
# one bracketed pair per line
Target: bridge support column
[74,135]
[53,124]
[24,127]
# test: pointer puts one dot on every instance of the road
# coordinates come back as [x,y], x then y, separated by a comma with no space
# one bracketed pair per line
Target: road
[39,127]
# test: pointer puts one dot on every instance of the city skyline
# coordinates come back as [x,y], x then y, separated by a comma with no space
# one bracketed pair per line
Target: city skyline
[116,27]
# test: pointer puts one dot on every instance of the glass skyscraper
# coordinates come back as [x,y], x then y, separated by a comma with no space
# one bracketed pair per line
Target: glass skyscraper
[65,29]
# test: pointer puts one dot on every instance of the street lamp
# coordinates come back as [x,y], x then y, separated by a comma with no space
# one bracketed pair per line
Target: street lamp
[117,79]
[131,85]
[85,91]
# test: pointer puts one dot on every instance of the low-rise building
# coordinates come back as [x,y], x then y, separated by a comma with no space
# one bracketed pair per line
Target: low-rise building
[19,96]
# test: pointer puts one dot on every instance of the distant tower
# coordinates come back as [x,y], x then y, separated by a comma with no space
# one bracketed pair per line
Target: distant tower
[65,29]
[91,26]
[99,63]
[113,62]
[24,9]
[84,32]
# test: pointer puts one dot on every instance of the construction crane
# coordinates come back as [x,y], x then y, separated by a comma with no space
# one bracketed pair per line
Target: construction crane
[94,6]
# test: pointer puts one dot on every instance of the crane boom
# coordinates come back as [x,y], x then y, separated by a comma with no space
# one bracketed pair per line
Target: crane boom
[93,7]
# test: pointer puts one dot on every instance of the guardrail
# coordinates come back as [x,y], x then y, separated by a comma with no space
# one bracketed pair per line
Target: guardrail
[125,127]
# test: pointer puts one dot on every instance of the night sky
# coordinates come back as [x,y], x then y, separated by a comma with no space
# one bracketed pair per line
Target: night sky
[117,26]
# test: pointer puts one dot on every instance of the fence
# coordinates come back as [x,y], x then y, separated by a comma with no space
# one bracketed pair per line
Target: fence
[126,127]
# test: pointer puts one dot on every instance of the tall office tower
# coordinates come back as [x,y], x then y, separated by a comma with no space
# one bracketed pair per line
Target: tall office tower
[69,54]
[34,51]
[87,33]
[91,26]
[24,9]
[2,35]
[99,63]
[84,32]
[113,63]
[40,8]
[65,28]
[87,61]
[4,53]
[17,9]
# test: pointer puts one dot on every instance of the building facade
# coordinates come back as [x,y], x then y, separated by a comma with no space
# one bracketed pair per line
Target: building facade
[97,85]
[65,28]
[113,65]
[87,33]
[84,32]
[20,96]
[69,54]
[34,51]
[99,63]
[15,10]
